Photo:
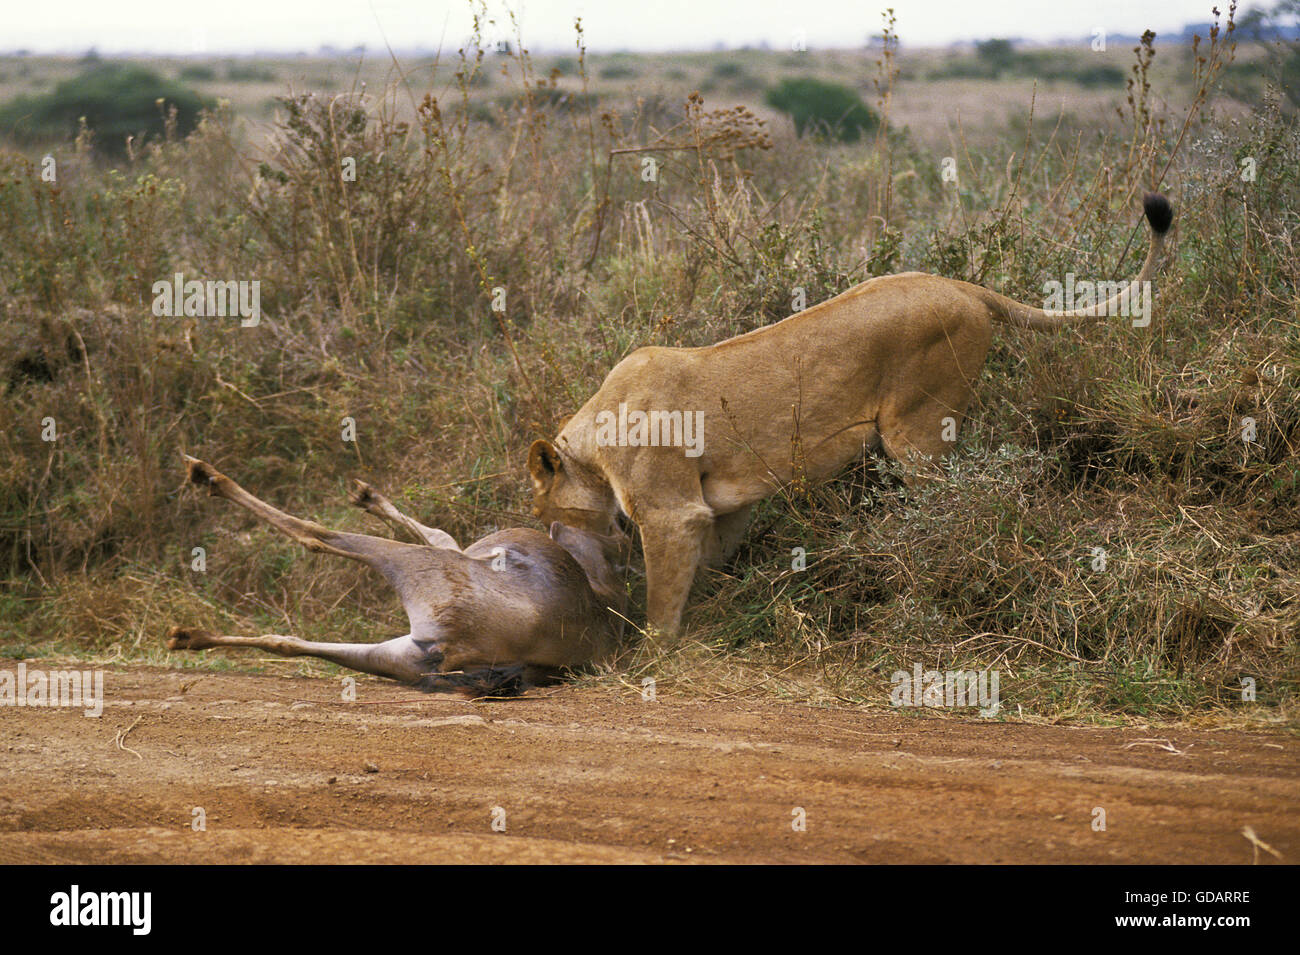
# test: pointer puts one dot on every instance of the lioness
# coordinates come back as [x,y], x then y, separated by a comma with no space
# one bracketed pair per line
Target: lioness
[686,440]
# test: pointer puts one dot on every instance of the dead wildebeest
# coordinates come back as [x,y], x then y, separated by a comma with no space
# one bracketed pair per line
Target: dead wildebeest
[513,610]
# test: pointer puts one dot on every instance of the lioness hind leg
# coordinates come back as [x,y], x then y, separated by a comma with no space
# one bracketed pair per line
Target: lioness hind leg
[918,441]
[725,536]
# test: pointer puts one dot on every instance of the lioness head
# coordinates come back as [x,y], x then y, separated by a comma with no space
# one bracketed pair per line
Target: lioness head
[567,492]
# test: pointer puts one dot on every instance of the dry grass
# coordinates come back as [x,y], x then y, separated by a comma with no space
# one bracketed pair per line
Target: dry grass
[377,299]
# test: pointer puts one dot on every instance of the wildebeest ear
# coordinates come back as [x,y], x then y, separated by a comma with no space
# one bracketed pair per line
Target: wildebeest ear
[556,527]
[543,461]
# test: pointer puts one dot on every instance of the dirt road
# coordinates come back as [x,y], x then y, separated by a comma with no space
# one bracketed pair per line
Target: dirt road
[280,769]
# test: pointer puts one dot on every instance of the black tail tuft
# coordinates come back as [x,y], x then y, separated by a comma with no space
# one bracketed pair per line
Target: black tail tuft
[1159,212]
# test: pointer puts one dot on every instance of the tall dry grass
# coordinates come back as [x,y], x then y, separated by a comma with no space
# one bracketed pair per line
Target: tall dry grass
[378,298]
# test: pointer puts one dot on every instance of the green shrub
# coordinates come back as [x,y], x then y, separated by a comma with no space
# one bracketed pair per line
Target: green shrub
[1094,76]
[617,71]
[117,100]
[249,73]
[996,59]
[998,55]
[1113,438]
[819,107]
[197,73]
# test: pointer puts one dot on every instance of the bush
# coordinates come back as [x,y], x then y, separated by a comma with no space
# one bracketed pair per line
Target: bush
[819,107]
[249,73]
[117,100]
[617,71]
[197,73]
[998,55]
[377,295]
[1095,76]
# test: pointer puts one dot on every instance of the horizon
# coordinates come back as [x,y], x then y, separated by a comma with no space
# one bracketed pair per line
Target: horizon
[302,29]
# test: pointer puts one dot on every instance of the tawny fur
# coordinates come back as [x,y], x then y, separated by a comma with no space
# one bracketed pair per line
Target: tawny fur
[513,609]
[889,365]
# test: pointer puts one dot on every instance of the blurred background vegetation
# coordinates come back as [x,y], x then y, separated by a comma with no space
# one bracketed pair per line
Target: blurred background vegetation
[775,172]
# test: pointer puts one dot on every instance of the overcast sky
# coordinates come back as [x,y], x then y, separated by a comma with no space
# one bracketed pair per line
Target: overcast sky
[245,26]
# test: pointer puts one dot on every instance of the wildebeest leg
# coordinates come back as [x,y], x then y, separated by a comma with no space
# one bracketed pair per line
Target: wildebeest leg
[402,658]
[368,499]
[394,559]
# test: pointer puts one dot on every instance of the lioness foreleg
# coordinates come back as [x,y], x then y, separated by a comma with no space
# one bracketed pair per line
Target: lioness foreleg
[674,542]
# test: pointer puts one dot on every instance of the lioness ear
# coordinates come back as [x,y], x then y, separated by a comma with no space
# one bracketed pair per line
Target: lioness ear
[543,462]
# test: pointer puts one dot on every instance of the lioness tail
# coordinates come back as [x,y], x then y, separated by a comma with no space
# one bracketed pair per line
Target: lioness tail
[1160,216]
